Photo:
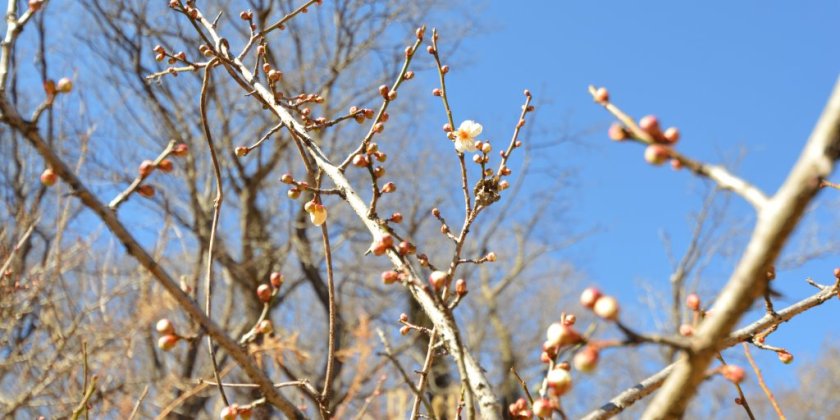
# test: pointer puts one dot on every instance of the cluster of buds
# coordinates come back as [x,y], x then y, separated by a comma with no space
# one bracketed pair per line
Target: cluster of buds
[234,411]
[606,307]
[161,54]
[360,115]
[370,154]
[188,9]
[164,165]
[381,245]
[168,336]
[519,410]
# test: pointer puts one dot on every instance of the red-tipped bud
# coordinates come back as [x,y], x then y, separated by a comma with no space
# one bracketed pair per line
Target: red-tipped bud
[559,381]
[559,334]
[165,327]
[543,407]
[146,190]
[617,132]
[409,75]
[246,15]
[686,330]
[607,308]
[586,360]
[276,280]
[671,135]
[461,287]
[490,257]
[732,373]
[287,179]
[692,301]
[589,296]
[146,167]
[241,151]
[383,90]
[229,412]
[48,177]
[167,342]
[657,154]
[405,329]
[438,279]
[264,293]
[436,92]
[181,150]
[389,187]
[403,317]
[785,357]
[406,248]
[601,96]
[361,160]
[166,165]
[650,125]
[390,277]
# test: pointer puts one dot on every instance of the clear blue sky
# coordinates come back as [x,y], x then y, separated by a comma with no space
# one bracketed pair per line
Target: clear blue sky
[749,75]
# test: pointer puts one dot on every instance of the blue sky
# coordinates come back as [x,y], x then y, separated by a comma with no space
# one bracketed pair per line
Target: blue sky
[738,78]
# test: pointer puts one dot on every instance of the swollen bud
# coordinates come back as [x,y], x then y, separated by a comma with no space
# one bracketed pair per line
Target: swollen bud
[461,287]
[48,177]
[543,407]
[165,327]
[601,96]
[438,279]
[607,308]
[276,280]
[167,342]
[657,154]
[692,301]
[559,334]
[732,373]
[785,357]
[390,277]
[617,132]
[586,360]
[559,381]
[264,293]
[64,85]
[589,296]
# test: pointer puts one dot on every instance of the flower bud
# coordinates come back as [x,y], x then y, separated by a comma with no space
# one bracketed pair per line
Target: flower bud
[181,149]
[276,280]
[317,213]
[559,381]
[785,357]
[559,334]
[671,135]
[165,327]
[390,277]
[732,373]
[657,154]
[167,342]
[589,296]
[146,168]
[166,165]
[64,85]
[586,360]
[543,407]
[490,257]
[692,301]
[461,287]
[293,193]
[389,187]
[405,329]
[265,327]
[146,190]
[383,90]
[403,317]
[241,151]
[361,160]
[607,308]
[229,413]
[602,96]
[650,125]
[438,279]
[264,293]
[48,177]
[686,330]
[503,185]
[246,15]
[406,248]
[617,132]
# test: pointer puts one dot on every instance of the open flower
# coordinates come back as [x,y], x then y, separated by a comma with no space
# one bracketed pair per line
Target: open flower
[465,136]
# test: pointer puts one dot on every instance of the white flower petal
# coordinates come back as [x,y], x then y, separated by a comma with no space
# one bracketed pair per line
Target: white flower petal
[463,146]
[471,128]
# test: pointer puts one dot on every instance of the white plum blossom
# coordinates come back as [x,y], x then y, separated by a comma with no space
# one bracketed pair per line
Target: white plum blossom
[465,136]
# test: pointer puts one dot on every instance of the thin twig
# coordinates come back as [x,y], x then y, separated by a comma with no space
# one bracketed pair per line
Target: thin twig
[762,383]
[137,404]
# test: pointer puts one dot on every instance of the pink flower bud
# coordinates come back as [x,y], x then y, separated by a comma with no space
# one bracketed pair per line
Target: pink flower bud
[181,150]
[671,135]
[617,132]
[586,360]
[686,330]
[165,327]
[650,125]
[490,257]
[438,279]
[732,373]
[264,293]
[785,357]
[405,329]
[389,187]
[543,407]
[403,317]
[146,190]
[166,165]
[276,280]
[461,287]
[396,218]
[607,308]
[390,277]
[589,296]
[167,342]
[146,167]
[602,96]
[692,301]
[559,334]
[48,177]
[559,381]
[657,154]
[406,248]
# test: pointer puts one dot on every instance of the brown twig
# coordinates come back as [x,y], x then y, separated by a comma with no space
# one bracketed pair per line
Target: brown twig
[132,188]
[762,383]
